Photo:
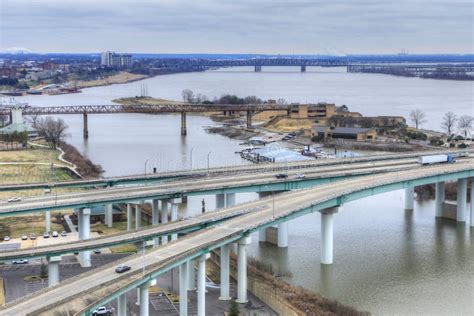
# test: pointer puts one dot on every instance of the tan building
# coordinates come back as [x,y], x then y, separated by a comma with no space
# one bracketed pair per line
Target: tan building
[349,133]
[305,111]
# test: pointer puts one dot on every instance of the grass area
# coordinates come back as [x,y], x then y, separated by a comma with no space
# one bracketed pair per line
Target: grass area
[290,125]
[31,174]
[16,226]
[34,155]
[123,249]
[2,292]
[144,101]
[104,230]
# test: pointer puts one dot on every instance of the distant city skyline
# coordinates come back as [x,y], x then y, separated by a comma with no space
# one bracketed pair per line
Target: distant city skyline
[254,27]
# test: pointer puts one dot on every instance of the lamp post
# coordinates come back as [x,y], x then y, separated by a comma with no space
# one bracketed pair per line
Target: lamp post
[146,162]
[191,156]
[208,156]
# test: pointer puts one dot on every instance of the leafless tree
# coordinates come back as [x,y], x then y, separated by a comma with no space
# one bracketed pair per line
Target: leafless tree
[282,101]
[188,95]
[449,121]
[53,130]
[465,124]
[418,117]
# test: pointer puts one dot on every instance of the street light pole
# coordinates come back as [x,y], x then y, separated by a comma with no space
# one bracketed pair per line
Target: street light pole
[208,156]
[191,156]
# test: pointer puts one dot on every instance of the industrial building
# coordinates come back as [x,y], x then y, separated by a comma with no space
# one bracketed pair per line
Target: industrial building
[349,133]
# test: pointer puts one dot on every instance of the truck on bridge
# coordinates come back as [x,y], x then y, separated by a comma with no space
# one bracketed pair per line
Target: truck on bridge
[433,159]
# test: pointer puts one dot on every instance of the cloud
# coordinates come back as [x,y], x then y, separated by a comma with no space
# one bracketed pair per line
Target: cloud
[244,26]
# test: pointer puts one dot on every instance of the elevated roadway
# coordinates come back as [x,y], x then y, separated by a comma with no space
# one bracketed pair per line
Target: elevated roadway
[81,294]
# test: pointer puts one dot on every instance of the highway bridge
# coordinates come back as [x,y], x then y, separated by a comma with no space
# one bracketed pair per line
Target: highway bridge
[81,294]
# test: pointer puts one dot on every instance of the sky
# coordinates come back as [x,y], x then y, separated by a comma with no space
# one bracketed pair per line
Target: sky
[239,26]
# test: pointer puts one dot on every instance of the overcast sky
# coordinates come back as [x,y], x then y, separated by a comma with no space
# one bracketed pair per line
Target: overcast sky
[239,26]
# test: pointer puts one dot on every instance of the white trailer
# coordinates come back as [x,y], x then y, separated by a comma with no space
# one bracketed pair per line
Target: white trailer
[433,159]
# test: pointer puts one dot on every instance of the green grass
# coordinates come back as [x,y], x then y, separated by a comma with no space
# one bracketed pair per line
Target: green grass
[16,226]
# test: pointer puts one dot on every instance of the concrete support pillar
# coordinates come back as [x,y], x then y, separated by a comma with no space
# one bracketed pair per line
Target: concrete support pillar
[439,199]
[327,235]
[242,270]
[47,221]
[461,200]
[229,199]
[164,218]
[129,216]
[155,219]
[191,275]
[183,124]
[262,235]
[174,217]
[225,282]
[144,299]
[122,305]
[201,285]
[138,216]
[84,228]
[109,220]
[409,198]
[472,202]
[249,119]
[220,201]
[85,130]
[183,289]
[283,235]
[53,270]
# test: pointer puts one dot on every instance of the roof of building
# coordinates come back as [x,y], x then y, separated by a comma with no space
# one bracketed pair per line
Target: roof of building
[342,130]
[9,129]
[280,154]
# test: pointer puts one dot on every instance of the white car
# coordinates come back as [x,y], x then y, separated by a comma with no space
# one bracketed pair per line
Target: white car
[20,261]
[300,176]
[6,238]
[14,199]
[103,310]
[55,234]
[24,237]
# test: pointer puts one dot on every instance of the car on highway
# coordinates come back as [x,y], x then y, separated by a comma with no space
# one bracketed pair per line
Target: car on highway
[20,261]
[300,176]
[103,310]
[122,268]
[14,199]
[33,236]
[63,233]
[6,238]
[55,234]
[281,176]
[24,237]
[46,235]
[97,251]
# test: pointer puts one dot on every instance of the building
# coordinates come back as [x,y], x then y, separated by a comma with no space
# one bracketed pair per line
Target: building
[114,60]
[17,124]
[349,133]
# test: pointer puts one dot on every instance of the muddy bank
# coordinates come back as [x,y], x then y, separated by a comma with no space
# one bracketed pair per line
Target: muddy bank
[391,147]
[232,132]
[84,166]
[428,191]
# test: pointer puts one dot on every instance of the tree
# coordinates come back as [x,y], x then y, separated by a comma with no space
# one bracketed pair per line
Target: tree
[234,308]
[449,121]
[465,124]
[53,130]
[188,95]
[282,101]
[418,117]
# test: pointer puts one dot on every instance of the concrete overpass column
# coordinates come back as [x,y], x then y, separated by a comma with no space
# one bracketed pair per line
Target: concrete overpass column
[201,285]
[283,235]
[191,275]
[262,235]
[229,199]
[183,289]
[409,198]
[129,216]
[47,221]
[144,299]
[53,270]
[174,216]
[327,234]
[249,119]
[461,200]
[472,202]
[84,223]
[85,130]
[164,218]
[220,201]
[122,305]
[155,218]
[439,198]
[242,270]
[225,273]
[109,220]
[183,124]
[138,216]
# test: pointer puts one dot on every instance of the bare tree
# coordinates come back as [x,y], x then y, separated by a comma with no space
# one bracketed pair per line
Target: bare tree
[188,95]
[282,101]
[449,121]
[418,117]
[465,124]
[53,130]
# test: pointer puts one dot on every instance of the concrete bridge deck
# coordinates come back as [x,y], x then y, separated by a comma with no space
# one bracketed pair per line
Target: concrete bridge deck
[83,293]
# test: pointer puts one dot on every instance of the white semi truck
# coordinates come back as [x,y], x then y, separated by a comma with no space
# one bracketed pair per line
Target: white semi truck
[433,159]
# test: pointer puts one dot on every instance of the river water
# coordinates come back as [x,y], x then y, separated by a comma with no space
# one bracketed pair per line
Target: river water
[387,261]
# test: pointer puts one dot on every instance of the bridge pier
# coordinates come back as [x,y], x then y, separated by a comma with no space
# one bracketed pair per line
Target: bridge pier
[122,305]
[47,221]
[174,216]
[144,299]
[191,284]
[409,198]
[201,286]
[461,200]
[439,199]
[53,270]
[108,215]
[129,217]
[242,270]
[138,216]
[258,68]
[283,235]
[84,227]
[164,218]
[262,235]
[155,218]
[220,201]
[183,124]
[85,126]
[303,68]
[327,235]
[225,281]
[183,289]
[249,119]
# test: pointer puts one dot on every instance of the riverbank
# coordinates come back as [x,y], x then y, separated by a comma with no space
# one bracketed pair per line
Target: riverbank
[83,165]
[120,78]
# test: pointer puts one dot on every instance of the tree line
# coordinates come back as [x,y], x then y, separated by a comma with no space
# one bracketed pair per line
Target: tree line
[190,97]
[450,121]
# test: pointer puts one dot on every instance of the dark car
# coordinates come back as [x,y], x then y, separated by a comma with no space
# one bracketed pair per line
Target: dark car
[122,269]
[281,176]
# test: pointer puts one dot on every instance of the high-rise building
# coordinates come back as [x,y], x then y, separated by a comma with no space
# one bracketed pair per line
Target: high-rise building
[111,59]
